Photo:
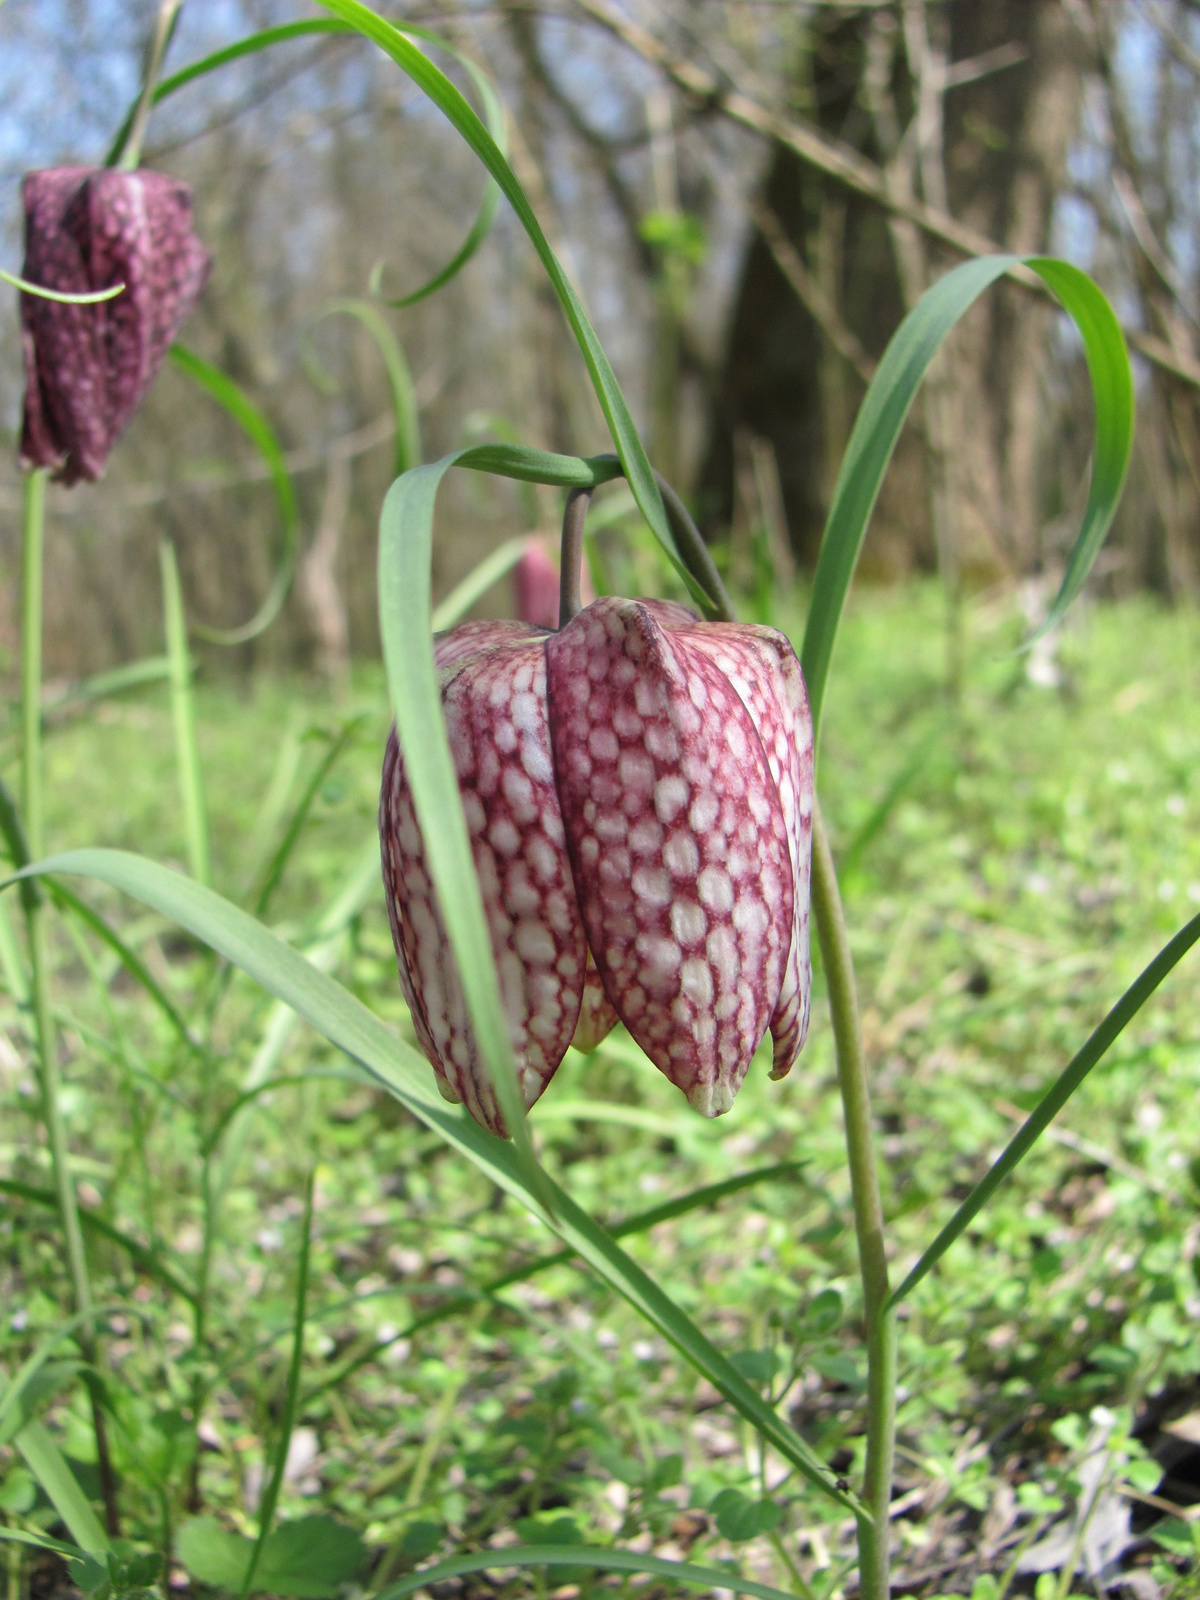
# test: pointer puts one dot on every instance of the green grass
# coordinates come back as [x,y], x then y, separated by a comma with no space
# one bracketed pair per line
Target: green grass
[1039,847]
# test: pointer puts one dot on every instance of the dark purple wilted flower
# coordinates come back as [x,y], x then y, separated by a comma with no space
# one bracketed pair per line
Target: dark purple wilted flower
[638,791]
[88,368]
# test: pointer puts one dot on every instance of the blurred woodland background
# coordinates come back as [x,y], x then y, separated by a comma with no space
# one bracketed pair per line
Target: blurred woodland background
[750,194]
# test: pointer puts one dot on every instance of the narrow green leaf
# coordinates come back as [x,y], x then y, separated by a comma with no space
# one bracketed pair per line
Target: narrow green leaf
[886,404]
[264,40]
[247,415]
[92,298]
[270,1499]
[49,1466]
[1052,1102]
[687,1573]
[539,466]
[12,831]
[493,112]
[1112,388]
[187,753]
[41,1541]
[407,451]
[11,1393]
[458,112]
[350,1027]
[405,606]
[132,675]
[220,58]
[279,860]
[137,969]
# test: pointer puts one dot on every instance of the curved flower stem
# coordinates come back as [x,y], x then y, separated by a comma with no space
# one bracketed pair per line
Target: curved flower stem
[570,595]
[43,1018]
[164,27]
[187,756]
[874,1527]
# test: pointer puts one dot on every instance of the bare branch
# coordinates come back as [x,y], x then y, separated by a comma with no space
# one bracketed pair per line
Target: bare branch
[809,292]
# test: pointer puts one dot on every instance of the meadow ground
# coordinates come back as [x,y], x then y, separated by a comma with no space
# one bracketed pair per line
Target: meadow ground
[1009,864]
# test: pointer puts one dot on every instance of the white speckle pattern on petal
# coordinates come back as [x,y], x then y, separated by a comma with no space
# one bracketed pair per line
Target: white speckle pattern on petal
[638,792]
[763,670]
[690,927]
[511,806]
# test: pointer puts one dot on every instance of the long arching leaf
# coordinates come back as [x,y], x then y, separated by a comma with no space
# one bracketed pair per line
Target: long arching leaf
[247,415]
[686,1573]
[264,40]
[493,112]
[407,451]
[886,404]
[350,1027]
[1055,1098]
[456,109]
[405,625]
[49,1466]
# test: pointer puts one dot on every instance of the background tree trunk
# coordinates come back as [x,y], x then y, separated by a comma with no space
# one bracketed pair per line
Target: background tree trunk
[784,377]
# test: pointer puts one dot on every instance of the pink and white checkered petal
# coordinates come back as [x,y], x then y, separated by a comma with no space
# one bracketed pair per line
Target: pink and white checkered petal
[672,613]
[762,666]
[597,1019]
[469,638]
[677,843]
[495,706]
[406,885]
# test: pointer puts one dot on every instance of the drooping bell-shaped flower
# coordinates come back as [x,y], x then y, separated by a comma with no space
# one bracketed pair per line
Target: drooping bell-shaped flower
[89,367]
[638,791]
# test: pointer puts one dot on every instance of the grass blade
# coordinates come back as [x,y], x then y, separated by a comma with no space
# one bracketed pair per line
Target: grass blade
[118,680]
[493,112]
[12,831]
[42,1541]
[247,415]
[278,862]
[49,1466]
[251,45]
[350,1027]
[404,401]
[10,1393]
[583,1555]
[187,756]
[886,404]
[129,959]
[1112,387]
[405,555]
[1055,1098]
[270,1498]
